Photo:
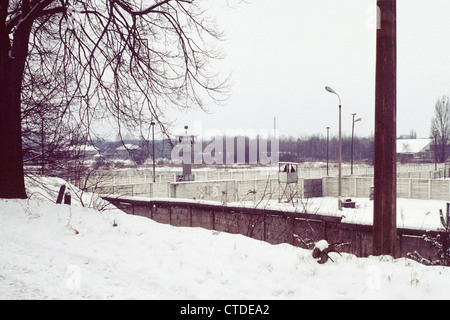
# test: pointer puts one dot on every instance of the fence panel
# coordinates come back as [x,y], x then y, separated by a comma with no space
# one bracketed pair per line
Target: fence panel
[404,188]
[420,189]
[440,189]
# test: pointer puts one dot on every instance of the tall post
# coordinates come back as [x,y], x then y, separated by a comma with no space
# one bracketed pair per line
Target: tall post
[435,150]
[340,162]
[153,150]
[340,151]
[353,132]
[328,139]
[385,193]
[42,147]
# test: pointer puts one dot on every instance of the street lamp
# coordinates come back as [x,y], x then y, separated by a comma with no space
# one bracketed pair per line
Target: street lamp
[435,150]
[153,147]
[340,151]
[353,130]
[328,139]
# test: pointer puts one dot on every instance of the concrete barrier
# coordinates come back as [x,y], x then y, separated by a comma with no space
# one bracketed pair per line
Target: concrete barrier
[359,187]
[298,229]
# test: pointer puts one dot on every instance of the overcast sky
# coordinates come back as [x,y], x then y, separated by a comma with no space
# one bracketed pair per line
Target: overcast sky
[282,54]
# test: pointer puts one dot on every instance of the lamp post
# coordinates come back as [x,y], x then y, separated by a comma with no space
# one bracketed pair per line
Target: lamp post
[353,130]
[340,151]
[328,139]
[435,150]
[153,147]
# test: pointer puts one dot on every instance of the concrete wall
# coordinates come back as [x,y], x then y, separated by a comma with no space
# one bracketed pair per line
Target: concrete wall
[254,190]
[221,190]
[425,189]
[306,171]
[298,229]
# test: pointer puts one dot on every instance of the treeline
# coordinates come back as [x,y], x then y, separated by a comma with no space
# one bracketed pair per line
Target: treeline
[315,148]
[311,148]
[218,151]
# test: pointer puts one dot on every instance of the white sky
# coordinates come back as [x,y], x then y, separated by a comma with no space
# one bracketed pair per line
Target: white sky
[282,54]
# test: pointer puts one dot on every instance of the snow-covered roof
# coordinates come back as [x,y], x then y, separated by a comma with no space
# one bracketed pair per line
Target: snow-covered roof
[83,147]
[128,146]
[412,145]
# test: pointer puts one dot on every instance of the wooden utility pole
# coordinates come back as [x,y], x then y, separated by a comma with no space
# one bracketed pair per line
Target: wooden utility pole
[385,193]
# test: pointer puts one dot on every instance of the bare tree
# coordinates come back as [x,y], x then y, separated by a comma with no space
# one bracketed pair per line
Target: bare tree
[440,126]
[122,60]
[50,138]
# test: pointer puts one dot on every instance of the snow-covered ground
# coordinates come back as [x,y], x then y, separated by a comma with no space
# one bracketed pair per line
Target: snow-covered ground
[50,251]
[411,213]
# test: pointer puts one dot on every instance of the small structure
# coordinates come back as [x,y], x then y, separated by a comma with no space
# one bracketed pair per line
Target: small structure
[349,203]
[287,180]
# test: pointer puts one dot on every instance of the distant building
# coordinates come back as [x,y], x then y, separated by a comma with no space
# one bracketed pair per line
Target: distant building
[88,152]
[418,149]
[128,151]
[128,146]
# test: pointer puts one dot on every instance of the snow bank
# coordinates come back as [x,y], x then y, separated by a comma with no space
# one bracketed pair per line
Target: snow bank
[47,189]
[50,251]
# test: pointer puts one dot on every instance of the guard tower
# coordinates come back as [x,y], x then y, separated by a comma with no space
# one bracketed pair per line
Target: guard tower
[189,141]
[287,181]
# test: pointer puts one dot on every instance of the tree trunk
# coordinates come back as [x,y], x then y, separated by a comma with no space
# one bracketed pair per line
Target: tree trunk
[12,62]
[385,193]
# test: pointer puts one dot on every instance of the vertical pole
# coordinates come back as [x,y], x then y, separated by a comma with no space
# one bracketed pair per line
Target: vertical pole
[340,163]
[353,131]
[42,146]
[385,193]
[435,149]
[153,149]
[340,151]
[328,138]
